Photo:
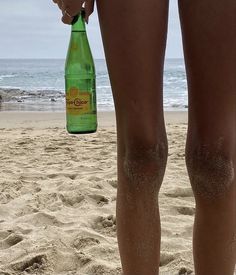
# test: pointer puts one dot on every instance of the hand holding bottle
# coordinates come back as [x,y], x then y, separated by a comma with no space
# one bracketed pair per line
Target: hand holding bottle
[70,8]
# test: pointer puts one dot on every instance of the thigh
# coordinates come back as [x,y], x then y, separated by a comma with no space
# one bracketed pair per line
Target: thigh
[134,39]
[209,43]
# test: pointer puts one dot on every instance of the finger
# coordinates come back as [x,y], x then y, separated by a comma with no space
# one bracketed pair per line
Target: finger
[66,19]
[72,9]
[89,7]
[59,3]
[69,11]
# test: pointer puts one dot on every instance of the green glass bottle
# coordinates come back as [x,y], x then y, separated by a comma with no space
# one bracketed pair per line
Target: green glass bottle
[80,81]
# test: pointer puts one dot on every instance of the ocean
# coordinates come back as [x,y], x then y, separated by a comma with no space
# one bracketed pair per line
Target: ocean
[38,85]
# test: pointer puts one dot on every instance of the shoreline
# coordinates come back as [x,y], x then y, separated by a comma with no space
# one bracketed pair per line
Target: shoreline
[106,119]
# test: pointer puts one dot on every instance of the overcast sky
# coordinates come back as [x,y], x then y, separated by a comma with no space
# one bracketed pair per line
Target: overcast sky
[32,29]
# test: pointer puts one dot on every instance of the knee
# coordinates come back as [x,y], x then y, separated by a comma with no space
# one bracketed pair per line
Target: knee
[211,171]
[144,164]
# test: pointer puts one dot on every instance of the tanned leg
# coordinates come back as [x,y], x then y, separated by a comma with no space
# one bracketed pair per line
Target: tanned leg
[134,39]
[209,41]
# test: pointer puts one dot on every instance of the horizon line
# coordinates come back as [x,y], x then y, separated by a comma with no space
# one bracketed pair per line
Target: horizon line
[60,58]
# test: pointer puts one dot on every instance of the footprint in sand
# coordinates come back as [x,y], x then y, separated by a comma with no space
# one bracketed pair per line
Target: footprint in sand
[98,186]
[185,271]
[184,210]
[10,240]
[166,258]
[30,264]
[83,242]
[70,199]
[83,258]
[80,243]
[58,175]
[100,269]
[100,199]
[43,219]
[105,225]
[113,183]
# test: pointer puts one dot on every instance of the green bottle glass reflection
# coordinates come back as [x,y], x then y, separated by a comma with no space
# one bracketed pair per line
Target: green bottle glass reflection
[80,81]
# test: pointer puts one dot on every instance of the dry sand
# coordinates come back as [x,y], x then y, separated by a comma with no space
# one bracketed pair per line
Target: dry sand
[58,198]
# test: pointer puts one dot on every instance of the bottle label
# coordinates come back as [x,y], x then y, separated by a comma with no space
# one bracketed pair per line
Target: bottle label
[77,102]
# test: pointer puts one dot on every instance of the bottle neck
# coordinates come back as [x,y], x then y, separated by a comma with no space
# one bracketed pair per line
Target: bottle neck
[79,25]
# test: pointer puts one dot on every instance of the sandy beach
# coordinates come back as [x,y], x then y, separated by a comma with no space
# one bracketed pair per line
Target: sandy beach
[58,197]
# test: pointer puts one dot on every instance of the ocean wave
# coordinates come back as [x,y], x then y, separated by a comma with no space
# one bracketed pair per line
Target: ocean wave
[7,76]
